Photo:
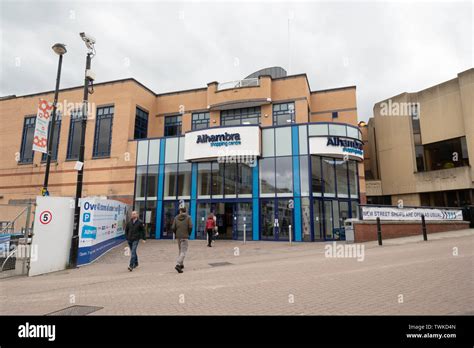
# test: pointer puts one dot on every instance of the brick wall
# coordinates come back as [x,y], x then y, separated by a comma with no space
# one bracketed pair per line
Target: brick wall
[364,232]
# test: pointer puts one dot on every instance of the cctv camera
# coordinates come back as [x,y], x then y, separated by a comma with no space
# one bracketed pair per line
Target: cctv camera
[89,40]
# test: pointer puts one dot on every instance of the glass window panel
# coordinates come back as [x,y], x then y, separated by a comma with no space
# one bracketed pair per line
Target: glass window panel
[152,182]
[352,132]
[171,171]
[316,175]
[328,232]
[181,150]
[329,180]
[341,177]
[140,185]
[353,179]
[303,139]
[171,150]
[284,175]
[268,142]
[142,156]
[304,175]
[169,212]
[283,141]
[154,152]
[217,176]
[355,209]
[318,129]
[230,179]
[267,176]
[335,219]
[244,178]
[204,179]
[306,219]
[337,129]
[184,180]
[318,219]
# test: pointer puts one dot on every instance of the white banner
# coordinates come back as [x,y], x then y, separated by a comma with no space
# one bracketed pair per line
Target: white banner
[222,141]
[101,227]
[40,138]
[410,214]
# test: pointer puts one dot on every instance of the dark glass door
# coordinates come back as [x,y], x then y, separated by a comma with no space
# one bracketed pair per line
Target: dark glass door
[277,217]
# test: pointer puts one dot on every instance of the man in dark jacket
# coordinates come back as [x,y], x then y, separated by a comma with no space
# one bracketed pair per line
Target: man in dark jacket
[182,227]
[134,231]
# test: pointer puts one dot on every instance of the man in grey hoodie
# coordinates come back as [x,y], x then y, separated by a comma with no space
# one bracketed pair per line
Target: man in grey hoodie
[182,227]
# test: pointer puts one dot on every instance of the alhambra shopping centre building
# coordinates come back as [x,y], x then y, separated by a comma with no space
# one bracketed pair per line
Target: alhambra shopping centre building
[265,151]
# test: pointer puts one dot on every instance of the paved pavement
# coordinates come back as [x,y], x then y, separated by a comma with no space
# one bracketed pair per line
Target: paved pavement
[405,276]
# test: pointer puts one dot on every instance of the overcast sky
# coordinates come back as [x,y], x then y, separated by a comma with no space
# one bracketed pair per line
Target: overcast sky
[384,48]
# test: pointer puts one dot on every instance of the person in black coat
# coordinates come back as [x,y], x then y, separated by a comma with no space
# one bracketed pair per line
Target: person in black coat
[134,231]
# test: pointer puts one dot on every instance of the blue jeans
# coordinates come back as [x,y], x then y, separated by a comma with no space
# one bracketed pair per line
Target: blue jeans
[133,248]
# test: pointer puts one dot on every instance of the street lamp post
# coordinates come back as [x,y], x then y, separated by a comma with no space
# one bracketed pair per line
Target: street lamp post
[59,49]
[89,41]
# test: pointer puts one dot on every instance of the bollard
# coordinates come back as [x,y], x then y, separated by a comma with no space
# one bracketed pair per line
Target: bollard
[379,231]
[290,236]
[423,227]
[245,233]
[174,236]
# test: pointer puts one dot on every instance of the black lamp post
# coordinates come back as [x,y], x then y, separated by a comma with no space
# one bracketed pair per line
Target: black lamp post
[59,49]
[89,78]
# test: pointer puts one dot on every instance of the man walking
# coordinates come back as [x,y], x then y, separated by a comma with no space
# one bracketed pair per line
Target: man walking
[182,227]
[134,231]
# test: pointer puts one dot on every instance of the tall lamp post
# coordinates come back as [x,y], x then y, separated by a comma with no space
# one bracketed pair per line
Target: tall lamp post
[59,49]
[88,80]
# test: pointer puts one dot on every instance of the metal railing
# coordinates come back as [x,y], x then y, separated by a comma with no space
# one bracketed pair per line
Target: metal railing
[253,82]
[15,229]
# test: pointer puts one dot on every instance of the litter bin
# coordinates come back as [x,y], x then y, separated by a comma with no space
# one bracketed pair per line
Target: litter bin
[349,229]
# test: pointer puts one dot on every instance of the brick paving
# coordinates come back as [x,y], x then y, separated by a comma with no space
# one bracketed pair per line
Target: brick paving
[405,276]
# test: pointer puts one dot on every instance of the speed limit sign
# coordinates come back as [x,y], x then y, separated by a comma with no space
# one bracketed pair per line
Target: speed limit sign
[45,217]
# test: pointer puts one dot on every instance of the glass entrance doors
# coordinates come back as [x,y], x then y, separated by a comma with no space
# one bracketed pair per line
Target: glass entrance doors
[232,218]
[170,210]
[335,213]
[277,217]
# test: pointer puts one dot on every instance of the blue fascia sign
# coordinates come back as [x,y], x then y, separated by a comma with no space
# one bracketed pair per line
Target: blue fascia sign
[348,145]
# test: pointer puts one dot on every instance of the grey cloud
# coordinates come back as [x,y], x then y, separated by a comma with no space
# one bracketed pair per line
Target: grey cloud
[384,48]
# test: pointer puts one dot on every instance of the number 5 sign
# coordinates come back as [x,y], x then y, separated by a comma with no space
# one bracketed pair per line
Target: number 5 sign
[45,217]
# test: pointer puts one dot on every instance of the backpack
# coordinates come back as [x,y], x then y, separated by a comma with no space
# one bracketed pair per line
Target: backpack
[210,224]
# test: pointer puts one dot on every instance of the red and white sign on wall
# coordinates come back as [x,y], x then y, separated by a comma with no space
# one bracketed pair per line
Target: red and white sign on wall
[40,138]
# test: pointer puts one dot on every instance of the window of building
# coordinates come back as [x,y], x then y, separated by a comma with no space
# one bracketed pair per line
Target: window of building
[283,113]
[103,131]
[316,176]
[200,120]
[267,176]
[446,154]
[171,173]
[26,150]
[341,178]
[184,180]
[57,131]
[242,116]
[141,124]
[173,125]
[284,176]
[353,179]
[335,114]
[329,178]
[74,138]
[204,179]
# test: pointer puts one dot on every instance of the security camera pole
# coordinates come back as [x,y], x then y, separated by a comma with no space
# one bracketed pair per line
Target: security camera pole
[59,49]
[89,41]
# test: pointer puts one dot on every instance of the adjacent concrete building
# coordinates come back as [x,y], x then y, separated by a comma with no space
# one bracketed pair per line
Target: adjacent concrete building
[419,146]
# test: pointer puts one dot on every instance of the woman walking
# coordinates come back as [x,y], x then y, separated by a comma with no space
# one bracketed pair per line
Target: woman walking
[210,226]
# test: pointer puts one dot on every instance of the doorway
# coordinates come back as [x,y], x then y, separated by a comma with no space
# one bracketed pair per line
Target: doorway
[277,217]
